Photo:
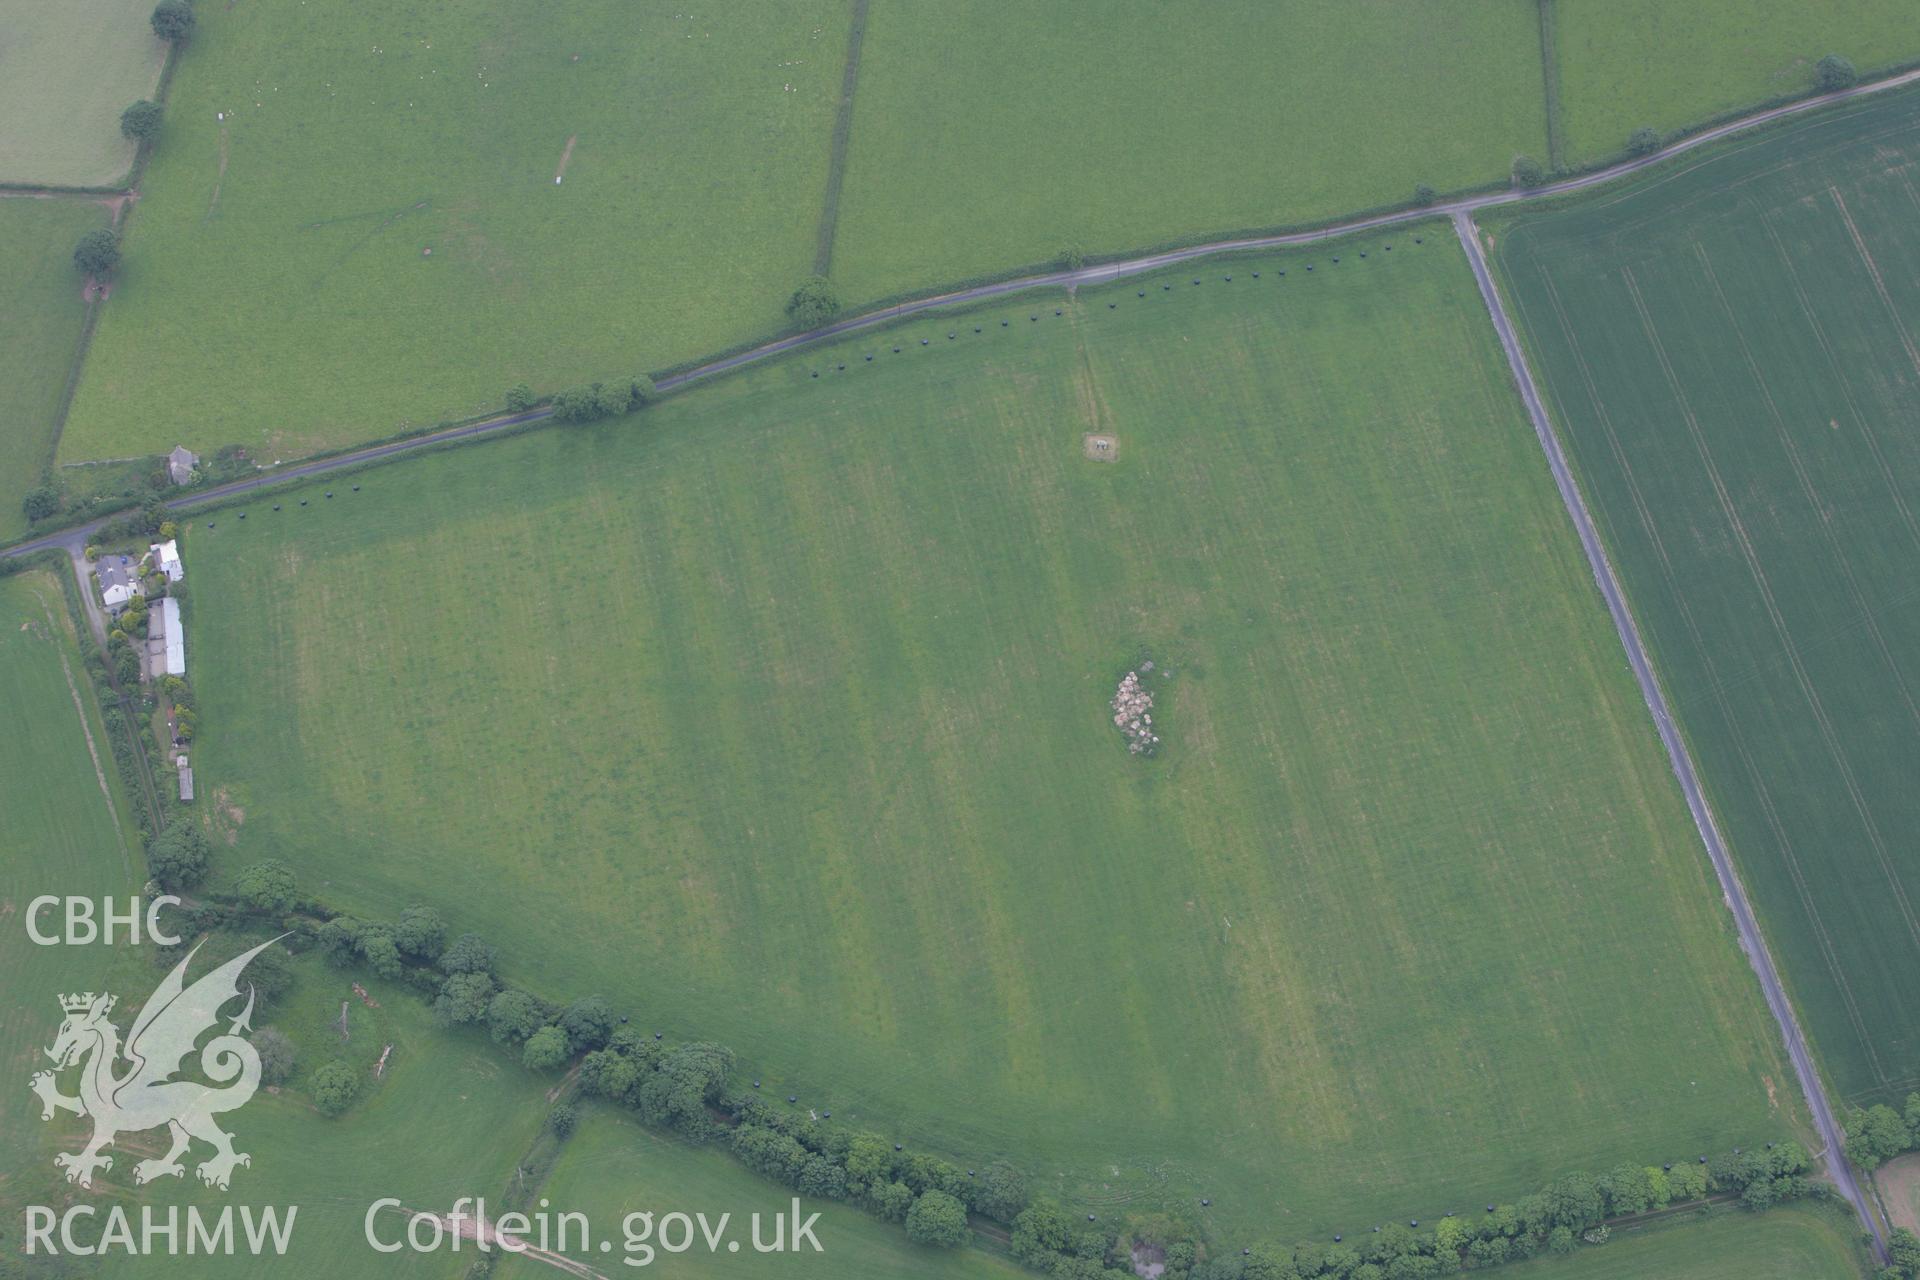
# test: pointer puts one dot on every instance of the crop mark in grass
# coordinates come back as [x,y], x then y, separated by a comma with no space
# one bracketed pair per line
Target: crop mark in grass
[387,218]
[842,134]
[219,178]
[1737,527]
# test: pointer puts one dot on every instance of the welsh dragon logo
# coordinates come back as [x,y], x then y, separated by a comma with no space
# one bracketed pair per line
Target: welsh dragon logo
[147,1094]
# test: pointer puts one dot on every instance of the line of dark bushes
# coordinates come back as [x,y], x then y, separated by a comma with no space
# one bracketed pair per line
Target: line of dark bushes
[688,1087]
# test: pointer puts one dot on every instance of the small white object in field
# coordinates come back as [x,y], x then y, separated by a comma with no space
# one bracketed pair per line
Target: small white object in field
[556,179]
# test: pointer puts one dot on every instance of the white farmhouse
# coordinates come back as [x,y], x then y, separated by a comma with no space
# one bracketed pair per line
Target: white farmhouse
[119,581]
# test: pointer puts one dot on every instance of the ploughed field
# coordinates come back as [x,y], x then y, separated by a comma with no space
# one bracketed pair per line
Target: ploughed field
[779,713]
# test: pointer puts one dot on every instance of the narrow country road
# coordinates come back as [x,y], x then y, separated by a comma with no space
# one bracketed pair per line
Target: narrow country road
[1677,754]
[78,536]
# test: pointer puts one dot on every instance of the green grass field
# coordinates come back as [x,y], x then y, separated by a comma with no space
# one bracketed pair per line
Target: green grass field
[779,713]
[1730,350]
[450,1117]
[66,72]
[68,830]
[1799,1242]
[613,1167]
[1628,63]
[982,140]
[276,291]
[41,315]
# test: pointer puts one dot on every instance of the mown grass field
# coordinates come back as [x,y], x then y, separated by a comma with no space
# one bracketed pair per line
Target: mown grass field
[613,1167]
[41,315]
[68,830]
[1730,350]
[779,714]
[276,290]
[66,72]
[450,1117]
[983,140]
[1798,1242]
[1628,63]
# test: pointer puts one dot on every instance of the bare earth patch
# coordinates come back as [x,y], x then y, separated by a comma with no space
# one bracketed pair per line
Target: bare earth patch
[1898,1182]
[1101,448]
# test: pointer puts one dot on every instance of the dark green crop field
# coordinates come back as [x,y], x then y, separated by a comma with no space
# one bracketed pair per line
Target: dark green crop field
[1733,351]
[779,713]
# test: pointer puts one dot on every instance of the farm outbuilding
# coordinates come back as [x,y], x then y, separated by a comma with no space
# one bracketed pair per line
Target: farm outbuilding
[174,636]
[165,558]
[180,464]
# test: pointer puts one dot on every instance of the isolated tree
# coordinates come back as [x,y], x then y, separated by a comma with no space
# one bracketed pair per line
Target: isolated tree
[421,933]
[1424,195]
[1833,73]
[1527,172]
[266,886]
[173,20]
[468,953]
[545,1049]
[519,397]
[813,303]
[177,857]
[98,252]
[276,1055]
[1072,257]
[41,501]
[588,1022]
[1643,141]
[141,120]
[563,1118]
[938,1219]
[333,1086]
[514,1015]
